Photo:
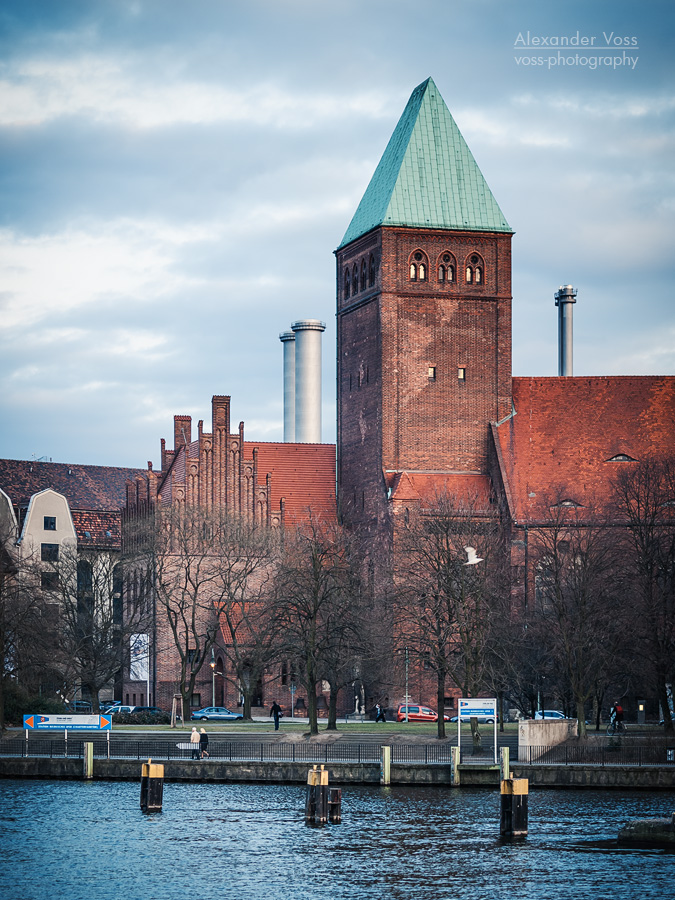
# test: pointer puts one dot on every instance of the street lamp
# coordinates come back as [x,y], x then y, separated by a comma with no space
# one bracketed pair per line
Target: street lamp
[213,677]
[407,656]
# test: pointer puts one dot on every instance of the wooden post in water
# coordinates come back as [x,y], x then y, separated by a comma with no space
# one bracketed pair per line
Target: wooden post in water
[310,799]
[504,764]
[335,806]
[385,765]
[514,807]
[88,760]
[321,815]
[152,786]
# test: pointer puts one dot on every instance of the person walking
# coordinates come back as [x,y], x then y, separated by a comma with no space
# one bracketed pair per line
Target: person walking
[379,713]
[203,744]
[275,710]
[194,741]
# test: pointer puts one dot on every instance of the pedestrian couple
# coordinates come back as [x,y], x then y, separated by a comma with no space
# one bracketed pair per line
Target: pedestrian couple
[200,743]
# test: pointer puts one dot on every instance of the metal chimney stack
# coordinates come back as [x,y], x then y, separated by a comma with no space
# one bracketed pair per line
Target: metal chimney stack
[287,338]
[564,298]
[308,380]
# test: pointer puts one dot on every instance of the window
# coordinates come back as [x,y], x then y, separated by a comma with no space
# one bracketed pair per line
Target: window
[355,280]
[363,274]
[50,523]
[474,270]
[49,581]
[446,268]
[49,552]
[418,266]
[371,271]
[432,373]
[347,284]
[469,275]
[461,373]
[478,274]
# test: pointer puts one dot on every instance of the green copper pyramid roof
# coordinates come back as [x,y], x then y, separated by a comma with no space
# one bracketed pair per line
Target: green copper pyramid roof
[427,177]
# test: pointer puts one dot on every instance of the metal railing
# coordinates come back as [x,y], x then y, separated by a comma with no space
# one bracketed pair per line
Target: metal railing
[613,752]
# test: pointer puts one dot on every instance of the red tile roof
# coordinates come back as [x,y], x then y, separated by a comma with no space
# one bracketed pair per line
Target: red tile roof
[303,474]
[96,528]
[460,487]
[567,432]
[84,487]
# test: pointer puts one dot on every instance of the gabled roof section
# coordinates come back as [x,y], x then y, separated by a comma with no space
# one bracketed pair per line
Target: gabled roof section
[427,177]
[570,438]
[464,489]
[84,487]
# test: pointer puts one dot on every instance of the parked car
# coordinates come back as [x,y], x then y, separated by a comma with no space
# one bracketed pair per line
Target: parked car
[418,713]
[215,714]
[549,714]
[82,707]
[482,720]
[114,710]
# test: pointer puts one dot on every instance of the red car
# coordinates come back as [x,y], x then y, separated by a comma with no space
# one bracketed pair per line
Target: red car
[417,713]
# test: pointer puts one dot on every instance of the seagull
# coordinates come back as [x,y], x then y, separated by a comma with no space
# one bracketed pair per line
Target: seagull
[472,558]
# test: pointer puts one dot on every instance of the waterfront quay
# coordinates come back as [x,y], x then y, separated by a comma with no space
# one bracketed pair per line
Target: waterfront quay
[637,762]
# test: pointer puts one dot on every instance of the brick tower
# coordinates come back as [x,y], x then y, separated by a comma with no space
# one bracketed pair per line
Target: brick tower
[424,316]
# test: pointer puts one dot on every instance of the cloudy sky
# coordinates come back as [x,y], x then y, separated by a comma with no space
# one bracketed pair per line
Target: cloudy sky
[174,178]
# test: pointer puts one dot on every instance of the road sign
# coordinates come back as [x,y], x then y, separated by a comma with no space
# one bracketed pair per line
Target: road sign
[61,722]
[476,707]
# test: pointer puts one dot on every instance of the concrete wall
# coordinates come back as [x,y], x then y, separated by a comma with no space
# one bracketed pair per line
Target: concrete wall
[533,733]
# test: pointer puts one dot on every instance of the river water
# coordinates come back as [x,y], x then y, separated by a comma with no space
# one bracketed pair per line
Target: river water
[90,841]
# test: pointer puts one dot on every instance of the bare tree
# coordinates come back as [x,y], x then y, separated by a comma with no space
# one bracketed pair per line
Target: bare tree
[578,591]
[646,499]
[444,604]
[86,589]
[208,570]
[318,610]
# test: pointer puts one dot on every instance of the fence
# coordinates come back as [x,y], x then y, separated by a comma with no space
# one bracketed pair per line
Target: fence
[613,752]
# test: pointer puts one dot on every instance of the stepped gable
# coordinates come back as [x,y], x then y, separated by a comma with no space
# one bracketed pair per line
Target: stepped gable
[569,438]
[84,487]
[302,474]
[427,177]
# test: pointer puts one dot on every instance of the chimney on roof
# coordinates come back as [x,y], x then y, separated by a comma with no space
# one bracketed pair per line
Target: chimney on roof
[564,298]
[306,381]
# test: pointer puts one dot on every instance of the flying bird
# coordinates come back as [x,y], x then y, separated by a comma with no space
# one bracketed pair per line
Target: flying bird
[472,558]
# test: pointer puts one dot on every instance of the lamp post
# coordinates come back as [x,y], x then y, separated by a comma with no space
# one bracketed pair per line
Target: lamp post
[407,656]
[213,677]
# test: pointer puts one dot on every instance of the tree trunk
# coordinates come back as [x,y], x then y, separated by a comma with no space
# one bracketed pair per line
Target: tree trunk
[581,719]
[440,700]
[332,710]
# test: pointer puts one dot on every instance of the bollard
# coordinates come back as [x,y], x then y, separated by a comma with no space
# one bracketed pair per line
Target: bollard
[514,807]
[385,765]
[321,814]
[88,760]
[335,806]
[310,800]
[152,786]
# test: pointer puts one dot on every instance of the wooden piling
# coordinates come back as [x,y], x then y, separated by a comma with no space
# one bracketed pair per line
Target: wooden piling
[152,786]
[514,792]
[335,806]
[310,799]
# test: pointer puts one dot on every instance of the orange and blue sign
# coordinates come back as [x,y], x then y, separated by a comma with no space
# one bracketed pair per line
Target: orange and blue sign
[60,722]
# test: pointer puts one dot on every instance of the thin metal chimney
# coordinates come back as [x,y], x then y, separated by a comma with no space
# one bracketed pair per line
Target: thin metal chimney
[308,380]
[287,338]
[564,298]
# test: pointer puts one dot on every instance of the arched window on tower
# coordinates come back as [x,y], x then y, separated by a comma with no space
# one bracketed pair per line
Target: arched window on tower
[475,269]
[418,266]
[446,267]
[363,274]
[371,271]
[355,280]
[347,284]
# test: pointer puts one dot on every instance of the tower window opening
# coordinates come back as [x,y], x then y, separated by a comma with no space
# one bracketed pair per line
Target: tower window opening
[371,272]
[423,272]
[469,275]
[432,373]
[413,272]
[355,280]
[347,285]
[461,373]
[479,275]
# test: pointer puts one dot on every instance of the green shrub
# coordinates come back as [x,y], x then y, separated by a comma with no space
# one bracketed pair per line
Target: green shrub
[19,703]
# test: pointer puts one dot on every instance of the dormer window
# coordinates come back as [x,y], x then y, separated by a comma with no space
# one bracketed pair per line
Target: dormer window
[622,457]
[567,504]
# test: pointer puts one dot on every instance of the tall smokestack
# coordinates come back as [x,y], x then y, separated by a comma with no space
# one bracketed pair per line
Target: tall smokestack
[564,298]
[308,380]
[287,338]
